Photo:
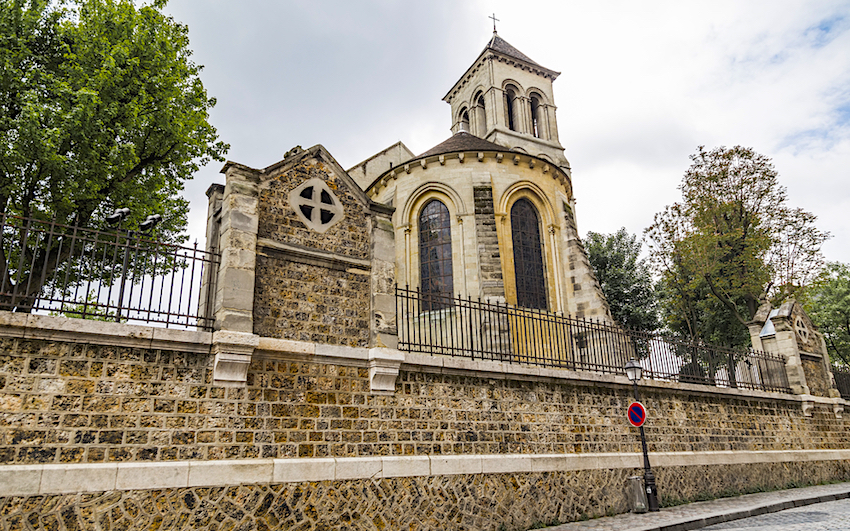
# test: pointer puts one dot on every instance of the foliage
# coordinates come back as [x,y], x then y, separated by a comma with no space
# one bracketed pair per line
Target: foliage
[731,243]
[100,107]
[827,301]
[625,278]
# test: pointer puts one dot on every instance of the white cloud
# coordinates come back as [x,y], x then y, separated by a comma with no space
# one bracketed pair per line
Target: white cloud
[642,84]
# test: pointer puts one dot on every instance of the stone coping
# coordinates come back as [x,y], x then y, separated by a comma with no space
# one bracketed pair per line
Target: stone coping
[27,480]
[52,328]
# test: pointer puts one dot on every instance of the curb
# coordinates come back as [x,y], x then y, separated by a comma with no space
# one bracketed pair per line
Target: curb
[699,523]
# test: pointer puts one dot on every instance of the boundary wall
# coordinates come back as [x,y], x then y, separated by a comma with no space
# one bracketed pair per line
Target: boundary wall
[113,426]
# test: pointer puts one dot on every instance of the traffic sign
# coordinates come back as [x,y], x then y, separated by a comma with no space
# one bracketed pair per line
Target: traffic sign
[637,414]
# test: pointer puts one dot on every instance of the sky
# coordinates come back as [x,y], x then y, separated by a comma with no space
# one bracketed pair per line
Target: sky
[642,85]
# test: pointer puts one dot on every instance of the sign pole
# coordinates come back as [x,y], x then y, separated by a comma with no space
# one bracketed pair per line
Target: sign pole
[648,476]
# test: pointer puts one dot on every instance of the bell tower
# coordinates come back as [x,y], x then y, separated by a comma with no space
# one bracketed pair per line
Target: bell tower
[506,98]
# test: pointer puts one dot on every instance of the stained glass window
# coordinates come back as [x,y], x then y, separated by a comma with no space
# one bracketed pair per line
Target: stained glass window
[528,256]
[435,256]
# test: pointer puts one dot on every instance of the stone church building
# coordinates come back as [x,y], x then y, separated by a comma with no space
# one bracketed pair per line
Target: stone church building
[488,213]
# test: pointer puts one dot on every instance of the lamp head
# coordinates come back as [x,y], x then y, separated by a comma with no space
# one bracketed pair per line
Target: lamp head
[633,370]
[118,216]
[150,222]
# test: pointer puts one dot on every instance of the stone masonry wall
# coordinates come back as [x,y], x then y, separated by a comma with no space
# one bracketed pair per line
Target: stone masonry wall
[278,220]
[305,302]
[488,244]
[75,403]
[472,502]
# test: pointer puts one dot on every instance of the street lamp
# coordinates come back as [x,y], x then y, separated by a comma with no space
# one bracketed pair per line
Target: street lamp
[634,372]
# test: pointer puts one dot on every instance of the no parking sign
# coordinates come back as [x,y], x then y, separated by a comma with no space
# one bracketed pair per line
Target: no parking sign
[636,414]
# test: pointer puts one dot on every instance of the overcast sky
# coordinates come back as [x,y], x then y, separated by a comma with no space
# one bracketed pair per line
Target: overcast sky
[642,85]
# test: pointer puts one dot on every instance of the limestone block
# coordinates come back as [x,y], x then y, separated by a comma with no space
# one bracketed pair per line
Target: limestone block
[286,345]
[506,464]
[236,321]
[231,472]
[447,465]
[244,218]
[67,479]
[406,466]
[233,352]
[13,324]
[152,475]
[808,405]
[384,364]
[338,351]
[300,470]
[20,480]
[358,468]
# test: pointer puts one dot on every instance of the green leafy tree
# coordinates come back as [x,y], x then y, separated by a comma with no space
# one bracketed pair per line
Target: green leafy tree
[827,301]
[100,107]
[731,243]
[625,278]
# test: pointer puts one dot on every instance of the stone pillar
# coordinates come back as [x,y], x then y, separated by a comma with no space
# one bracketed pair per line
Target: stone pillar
[384,331]
[215,194]
[235,341]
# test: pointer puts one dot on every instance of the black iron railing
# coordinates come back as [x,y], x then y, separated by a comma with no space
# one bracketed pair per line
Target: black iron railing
[842,381]
[113,275]
[492,331]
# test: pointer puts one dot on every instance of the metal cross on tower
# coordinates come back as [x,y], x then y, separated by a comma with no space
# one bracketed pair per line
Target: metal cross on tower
[494,21]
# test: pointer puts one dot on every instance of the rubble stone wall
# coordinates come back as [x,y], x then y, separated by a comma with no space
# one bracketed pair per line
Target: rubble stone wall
[472,502]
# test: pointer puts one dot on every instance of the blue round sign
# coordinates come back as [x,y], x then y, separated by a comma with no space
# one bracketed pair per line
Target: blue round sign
[636,414]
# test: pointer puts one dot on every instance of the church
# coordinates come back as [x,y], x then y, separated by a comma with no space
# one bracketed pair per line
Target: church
[490,212]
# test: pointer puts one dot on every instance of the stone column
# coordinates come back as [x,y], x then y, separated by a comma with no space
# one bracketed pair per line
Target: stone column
[208,288]
[384,331]
[234,341]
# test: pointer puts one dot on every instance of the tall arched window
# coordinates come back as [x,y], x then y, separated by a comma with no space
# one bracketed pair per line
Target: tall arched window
[536,126]
[464,120]
[435,256]
[528,256]
[510,96]
[482,116]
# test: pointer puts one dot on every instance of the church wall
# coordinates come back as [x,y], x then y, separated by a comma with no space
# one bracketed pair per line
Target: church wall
[311,285]
[484,267]
[279,223]
[366,172]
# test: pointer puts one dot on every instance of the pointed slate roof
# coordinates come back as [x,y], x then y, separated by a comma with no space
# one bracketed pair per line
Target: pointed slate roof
[500,45]
[462,141]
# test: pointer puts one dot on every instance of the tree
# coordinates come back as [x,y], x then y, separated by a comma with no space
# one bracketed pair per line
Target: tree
[625,279]
[731,243]
[827,301]
[100,107]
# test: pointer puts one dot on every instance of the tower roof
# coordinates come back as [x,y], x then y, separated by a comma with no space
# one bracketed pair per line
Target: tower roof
[462,141]
[499,48]
[500,45]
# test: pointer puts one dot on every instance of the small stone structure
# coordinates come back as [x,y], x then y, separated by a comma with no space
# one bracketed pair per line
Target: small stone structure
[788,331]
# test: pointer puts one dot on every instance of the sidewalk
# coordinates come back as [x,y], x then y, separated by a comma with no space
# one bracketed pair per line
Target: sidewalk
[701,514]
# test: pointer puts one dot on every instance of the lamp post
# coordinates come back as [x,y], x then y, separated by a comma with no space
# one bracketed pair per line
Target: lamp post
[634,372]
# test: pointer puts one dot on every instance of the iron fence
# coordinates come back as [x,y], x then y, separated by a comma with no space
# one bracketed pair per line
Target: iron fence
[495,331]
[113,275]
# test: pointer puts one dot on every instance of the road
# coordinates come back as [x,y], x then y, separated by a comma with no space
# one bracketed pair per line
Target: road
[829,516]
